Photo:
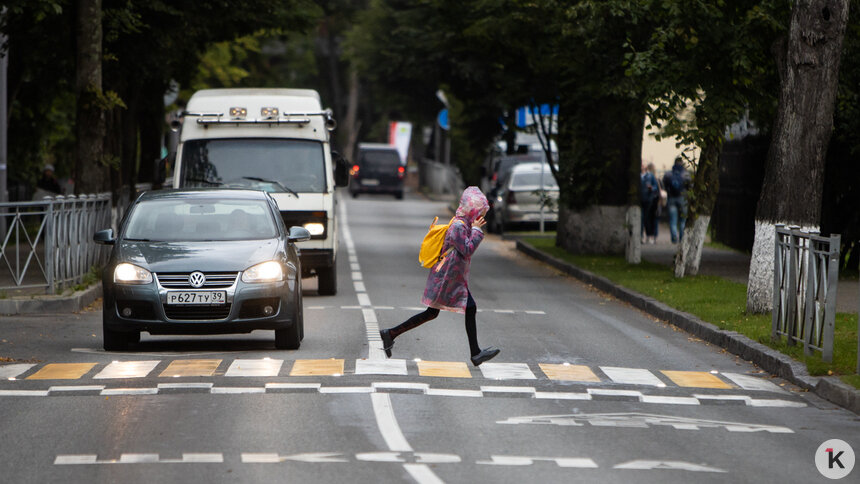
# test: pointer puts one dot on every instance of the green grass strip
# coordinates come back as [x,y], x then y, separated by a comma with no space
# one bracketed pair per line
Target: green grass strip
[716,300]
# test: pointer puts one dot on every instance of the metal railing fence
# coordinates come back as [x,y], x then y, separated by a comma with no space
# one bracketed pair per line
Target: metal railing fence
[805,278]
[48,244]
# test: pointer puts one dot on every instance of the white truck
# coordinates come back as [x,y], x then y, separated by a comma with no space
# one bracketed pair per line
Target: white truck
[276,140]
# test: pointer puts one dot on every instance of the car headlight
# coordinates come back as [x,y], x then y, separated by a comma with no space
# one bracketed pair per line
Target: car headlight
[269,271]
[126,273]
[315,228]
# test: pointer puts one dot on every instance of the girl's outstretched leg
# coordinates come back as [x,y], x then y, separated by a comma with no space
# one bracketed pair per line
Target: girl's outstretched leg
[388,335]
[478,355]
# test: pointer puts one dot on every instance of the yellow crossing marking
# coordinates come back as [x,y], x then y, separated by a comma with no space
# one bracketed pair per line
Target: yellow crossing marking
[568,372]
[698,379]
[62,371]
[191,368]
[330,366]
[450,369]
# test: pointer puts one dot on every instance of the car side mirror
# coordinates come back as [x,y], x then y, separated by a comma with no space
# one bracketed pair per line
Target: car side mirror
[104,237]
[299,234]
[341,170]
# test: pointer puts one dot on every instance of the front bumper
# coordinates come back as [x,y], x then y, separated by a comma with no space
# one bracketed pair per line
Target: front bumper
[243,312]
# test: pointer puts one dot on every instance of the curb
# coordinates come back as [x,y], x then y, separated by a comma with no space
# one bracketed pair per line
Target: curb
[51,304]
[830,388]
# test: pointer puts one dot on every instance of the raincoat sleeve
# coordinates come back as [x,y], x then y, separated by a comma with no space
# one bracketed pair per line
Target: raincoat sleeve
[464,239]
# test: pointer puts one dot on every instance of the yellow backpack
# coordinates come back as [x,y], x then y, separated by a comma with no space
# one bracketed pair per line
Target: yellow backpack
[431,246]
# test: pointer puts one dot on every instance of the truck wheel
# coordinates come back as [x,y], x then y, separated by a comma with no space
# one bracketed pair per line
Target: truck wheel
[115,340]
[327,280]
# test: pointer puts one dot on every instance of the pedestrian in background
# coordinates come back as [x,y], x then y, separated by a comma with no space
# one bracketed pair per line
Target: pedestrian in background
[47,186]
[448,283]
[677,182]
[649,193]
[642,207]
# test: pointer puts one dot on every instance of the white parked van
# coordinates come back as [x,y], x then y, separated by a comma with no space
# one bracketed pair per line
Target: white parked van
[276,140]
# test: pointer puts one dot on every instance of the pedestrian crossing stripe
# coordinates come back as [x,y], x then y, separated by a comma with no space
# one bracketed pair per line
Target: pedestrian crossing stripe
[448,369]
[271,367]
[62,371]
[180,368]
[330,367]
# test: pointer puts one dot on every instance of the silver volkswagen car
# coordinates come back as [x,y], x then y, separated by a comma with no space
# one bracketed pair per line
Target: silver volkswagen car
[202,261]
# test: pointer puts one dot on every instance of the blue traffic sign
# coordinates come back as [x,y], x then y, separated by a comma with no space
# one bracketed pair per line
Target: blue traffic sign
[442,119]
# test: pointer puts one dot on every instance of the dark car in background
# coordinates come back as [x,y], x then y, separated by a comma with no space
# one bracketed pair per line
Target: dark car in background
[202,261]
[377,169]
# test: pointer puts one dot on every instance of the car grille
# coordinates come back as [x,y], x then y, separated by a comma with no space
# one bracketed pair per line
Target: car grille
[179,280]
[199,313]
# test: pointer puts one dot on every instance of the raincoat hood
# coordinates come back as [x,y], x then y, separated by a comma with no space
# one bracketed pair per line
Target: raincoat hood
[472,204]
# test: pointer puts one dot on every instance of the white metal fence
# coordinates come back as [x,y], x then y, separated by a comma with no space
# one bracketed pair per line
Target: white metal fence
[48,244]
[805,278]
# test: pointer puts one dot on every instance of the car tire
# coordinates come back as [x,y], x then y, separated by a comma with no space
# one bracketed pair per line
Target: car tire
[327,280]
[354,194]
[291,338]
[398,195]
[115,340]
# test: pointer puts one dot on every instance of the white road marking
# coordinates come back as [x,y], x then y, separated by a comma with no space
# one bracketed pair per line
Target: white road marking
[563,395]
[669,400]
[359,286]
[127,369]
[355,267]
[401,385]
[23,393]
[137,458]
[666,464]
[445,392]
[606,392]
[356,275]
[196,385]
[108,392]
[516,460]
[78,388]
[76,459]
[236,390]
[263,367]
[380,367]
[12,371]
[203,458]
[752,383]
[387,423]
[511,390]
[633,376]
[260,458]
[293,386]
[346,390]
[363,299]
[507,371]
[753,402]
[535,312]
[641,420]
[422,474]
[369,316]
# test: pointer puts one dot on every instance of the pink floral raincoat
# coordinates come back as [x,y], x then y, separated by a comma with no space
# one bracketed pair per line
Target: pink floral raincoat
[448,283]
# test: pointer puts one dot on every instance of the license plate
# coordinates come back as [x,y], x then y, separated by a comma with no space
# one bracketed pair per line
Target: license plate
[370,181]
[210,298]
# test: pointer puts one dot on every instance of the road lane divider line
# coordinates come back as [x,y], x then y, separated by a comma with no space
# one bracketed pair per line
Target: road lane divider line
[387,423]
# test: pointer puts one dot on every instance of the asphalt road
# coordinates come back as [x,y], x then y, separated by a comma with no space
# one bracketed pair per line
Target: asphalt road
[586,389]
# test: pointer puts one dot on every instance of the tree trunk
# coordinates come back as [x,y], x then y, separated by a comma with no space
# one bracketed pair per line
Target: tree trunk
[808,65]
[90,172]
[350,125]
[150,120]
[600,148]
[706,186]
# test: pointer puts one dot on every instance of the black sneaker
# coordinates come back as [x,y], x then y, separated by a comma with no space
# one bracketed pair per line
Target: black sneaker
[387,341]
[486,354]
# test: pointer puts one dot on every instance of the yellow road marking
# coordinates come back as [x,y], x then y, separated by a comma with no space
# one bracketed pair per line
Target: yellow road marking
[329,367]
[450,369]
[698,379]
[178,368]
[62,371]
[568,372]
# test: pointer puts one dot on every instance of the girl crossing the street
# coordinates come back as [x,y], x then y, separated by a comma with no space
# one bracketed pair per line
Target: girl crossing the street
[448,283]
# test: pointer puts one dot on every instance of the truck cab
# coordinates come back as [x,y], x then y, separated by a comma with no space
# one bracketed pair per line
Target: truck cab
[275,140]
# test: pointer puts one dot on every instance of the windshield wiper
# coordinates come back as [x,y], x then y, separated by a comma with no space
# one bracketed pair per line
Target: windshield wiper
[274,182]
[203,180]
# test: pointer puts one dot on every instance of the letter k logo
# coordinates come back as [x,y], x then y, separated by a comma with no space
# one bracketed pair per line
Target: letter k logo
[831,459]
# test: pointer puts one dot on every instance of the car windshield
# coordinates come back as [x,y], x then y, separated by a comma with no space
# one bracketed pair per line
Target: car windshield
[272,165]
[174,220]
[379,159]
[533,180]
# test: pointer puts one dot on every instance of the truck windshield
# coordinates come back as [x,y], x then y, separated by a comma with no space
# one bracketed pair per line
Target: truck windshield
[272,165]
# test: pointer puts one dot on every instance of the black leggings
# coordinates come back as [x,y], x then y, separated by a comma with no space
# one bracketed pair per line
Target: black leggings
[432,313]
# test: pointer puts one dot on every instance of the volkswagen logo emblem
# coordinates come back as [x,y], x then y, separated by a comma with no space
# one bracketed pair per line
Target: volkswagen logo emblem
[196,279]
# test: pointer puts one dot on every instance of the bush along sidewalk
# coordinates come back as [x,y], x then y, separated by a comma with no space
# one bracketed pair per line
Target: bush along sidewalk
[720,305]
